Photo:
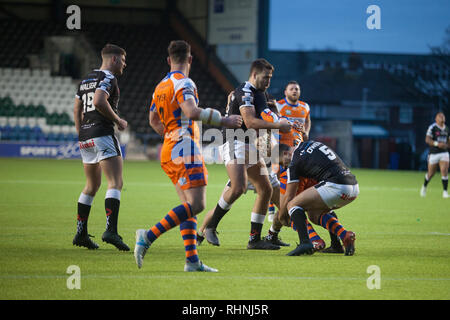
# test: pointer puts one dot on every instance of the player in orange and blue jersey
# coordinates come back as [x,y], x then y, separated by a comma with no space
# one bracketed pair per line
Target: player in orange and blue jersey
[173,112]
[297,112]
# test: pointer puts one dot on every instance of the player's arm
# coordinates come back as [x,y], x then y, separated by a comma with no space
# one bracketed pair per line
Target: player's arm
[102,105]
[432,143]
[307,127]
[290,193]
[252,122]
[209,115]
[78,113]
[154,120]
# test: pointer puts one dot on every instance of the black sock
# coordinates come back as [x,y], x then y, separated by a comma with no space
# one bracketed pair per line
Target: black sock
[82,218]
[445,184]
[298,217]
[425,183]
[218,214]
[112,206]
[255,231]
[335,242]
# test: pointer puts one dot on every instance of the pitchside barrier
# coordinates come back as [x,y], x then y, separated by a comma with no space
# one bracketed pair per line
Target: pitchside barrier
[57,150]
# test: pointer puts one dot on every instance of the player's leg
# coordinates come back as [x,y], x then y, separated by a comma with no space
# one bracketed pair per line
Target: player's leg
[207,219]
[317,201]
[432,168]
[308,200]
[112,169]
[93,175]
[275,228]
[188,229]
[443,164]
[335,246]
[237,186]
[259,177]
[333,196]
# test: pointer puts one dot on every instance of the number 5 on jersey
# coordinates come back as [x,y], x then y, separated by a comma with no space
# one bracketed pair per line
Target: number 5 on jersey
[88,98]
[328,152]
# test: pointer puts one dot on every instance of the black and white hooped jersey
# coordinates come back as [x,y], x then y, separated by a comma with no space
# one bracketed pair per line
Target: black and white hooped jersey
[246,95]
[438,134]
[312,159]
[94,124]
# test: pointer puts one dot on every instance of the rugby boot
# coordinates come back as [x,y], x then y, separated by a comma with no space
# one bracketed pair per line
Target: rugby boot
[318,245]
[211,236]
[349,243]
[262,245]
[83,240]
[198,267]
[114,239]
[276,240]
[303,248]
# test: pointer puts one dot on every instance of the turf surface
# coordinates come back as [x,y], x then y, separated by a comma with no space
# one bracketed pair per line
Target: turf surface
[407,237]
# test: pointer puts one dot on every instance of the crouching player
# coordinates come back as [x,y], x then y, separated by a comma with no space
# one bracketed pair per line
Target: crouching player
[337,188]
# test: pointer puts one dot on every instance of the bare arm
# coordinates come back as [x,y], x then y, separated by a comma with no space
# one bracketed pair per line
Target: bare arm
[432,143]
[307,126]
[252,122]
[78,113]
[102,105]
[291,191]
[155,122]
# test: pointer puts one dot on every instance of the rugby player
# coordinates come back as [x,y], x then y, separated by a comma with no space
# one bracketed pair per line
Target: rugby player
[438,139]
[337,188]
[297,112]
[241,157]
[173,112]
[95,115]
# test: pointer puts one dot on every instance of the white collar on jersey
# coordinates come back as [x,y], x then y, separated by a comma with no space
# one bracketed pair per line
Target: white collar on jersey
[442,128]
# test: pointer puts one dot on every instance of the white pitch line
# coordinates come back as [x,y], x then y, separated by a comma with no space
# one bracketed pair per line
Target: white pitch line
[231,277]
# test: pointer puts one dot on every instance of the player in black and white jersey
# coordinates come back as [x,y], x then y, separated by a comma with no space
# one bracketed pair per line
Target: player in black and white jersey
[337,187]
[438,138]
[241,157]
[95,115]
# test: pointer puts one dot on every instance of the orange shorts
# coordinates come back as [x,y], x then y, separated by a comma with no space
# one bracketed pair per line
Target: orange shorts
[187,175]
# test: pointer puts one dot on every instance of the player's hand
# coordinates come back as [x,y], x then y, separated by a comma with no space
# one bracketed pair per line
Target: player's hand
[442,145]
[285,125]
[233,121]
[122,124]
[299,126]
[230,95]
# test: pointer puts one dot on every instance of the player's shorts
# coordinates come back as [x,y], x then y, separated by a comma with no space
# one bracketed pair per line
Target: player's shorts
[337,195]
[435,158]
[244,153]
[97,149]
[273,179]
[187,175]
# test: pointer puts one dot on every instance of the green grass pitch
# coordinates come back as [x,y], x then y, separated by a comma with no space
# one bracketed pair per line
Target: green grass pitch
[407,237]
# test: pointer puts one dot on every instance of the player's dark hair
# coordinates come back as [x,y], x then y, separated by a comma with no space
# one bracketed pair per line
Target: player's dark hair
[179,51]
[283,148]
[112,49]
[260,65]
[291,82]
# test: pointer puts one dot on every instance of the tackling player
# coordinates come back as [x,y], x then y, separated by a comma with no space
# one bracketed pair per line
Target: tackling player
[438,138]
[337,188]
[173,112]
[95,114]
